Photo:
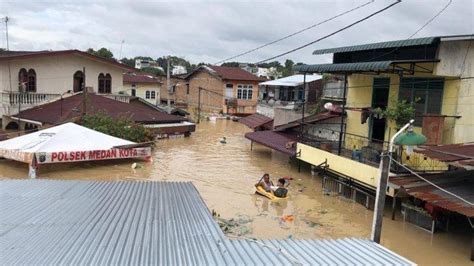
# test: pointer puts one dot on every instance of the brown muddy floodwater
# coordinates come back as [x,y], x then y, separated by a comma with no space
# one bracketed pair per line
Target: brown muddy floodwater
[225,174]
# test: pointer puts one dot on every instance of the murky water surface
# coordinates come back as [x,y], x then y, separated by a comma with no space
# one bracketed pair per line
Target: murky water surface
[225,174]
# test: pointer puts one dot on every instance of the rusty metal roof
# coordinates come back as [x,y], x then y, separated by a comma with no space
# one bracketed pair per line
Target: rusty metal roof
[457,154]
[460,183]
[278,141]
[308,120]
[257,120]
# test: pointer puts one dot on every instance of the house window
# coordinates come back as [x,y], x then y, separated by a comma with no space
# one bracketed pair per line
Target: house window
[27,80]
[22,79]
[105,83]
[153,96]
[229,86]
[134,90]
[187,88]
[427,93]
[244,92]
[147,95]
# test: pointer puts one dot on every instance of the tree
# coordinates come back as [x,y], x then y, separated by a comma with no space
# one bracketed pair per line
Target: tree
[128,61]
[174,61]
[102,52]
[152,70]
[288,69]
[122,127]
[231,64]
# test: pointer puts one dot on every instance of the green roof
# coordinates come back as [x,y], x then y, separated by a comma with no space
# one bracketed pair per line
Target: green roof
[379,45]
[345,67]
[391,66]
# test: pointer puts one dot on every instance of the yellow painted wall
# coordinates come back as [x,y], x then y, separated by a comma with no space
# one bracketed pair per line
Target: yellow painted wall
[140,91]
[365,174]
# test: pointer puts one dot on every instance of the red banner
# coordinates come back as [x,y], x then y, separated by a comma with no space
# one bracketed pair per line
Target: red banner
[78,156]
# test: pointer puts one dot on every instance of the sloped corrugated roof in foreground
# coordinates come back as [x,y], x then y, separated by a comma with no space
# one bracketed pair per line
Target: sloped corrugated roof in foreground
[129,223]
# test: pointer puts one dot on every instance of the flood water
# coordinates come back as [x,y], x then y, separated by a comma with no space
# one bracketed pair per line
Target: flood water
[225,174]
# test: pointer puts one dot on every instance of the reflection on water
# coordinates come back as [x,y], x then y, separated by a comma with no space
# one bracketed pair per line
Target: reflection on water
[225,174]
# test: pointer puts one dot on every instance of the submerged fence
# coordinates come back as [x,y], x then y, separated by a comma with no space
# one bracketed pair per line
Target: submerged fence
[346,189]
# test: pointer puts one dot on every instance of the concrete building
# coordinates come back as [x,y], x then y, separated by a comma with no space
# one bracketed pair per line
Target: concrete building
[178,70]
[143,85]
[227,89]
[144,63]
[31,78]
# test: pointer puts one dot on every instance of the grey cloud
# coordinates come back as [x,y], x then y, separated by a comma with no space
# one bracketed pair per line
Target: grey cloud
[212,30]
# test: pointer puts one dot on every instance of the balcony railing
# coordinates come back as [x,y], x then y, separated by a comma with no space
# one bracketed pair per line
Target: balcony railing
[15,98]
[117,97]
[353,146]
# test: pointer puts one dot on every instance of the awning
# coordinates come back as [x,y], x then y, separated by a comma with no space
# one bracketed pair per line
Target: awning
[257,120]
[282,142]
[291,81]
[459,183]
[460,155]
[69,143]
[393,66]
[379,45]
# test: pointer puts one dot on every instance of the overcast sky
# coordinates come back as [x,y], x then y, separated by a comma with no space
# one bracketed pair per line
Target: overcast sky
[208,31]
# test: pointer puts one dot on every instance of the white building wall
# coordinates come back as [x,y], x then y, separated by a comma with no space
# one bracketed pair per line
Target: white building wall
[141,89]
[55,74]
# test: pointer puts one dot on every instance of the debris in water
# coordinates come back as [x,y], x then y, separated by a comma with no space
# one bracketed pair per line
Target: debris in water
[288,218]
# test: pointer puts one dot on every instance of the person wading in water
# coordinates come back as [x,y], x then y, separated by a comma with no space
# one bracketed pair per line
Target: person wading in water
[265,183]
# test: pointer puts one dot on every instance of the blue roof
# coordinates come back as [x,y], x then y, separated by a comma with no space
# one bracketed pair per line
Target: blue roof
[55,222]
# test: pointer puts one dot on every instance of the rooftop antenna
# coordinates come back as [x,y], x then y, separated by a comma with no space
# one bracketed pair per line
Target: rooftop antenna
[121,44]
[6,31]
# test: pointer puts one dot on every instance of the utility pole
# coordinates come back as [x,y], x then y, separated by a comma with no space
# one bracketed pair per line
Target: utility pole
[342,116]
[8,49]
[199,105]
[304,102]
[84,92]
[168,85]
[121,44]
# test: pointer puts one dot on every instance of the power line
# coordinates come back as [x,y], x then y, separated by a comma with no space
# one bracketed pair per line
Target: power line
[295,33]
[417,31]
[331,34]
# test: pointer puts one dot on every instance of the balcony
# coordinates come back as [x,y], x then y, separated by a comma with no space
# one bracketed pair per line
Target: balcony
[12,101]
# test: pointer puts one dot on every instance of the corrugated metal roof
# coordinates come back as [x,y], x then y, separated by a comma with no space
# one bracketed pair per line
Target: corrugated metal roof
[274,140]
[311,119]
[291,81]
[55,222]
[460,183]
[379,45]
[461,155]
[345,67]
[257,120]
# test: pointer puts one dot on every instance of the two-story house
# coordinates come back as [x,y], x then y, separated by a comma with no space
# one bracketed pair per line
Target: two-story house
[143,85]
[30,78]
[215,88]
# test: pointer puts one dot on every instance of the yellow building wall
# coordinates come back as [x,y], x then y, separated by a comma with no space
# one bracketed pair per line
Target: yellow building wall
[365,174]
[140,91]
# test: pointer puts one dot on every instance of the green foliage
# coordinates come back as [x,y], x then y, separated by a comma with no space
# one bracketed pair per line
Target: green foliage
[102,52]
[231,64]
[152,70]
[128,61]
[122,127]
[288,69]
[398,112]
[174,61]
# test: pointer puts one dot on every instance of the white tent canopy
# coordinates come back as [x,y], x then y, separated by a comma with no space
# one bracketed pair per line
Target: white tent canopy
[291,81]
[69,143]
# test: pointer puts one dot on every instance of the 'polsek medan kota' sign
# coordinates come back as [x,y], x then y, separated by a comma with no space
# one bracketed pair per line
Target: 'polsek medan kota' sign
[78,156]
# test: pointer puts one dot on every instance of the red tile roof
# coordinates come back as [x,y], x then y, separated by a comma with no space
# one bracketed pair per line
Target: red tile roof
[7,55]
[140,78]
[138,111]
[257,120]
[308,120]
[278,141]
[235,73]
